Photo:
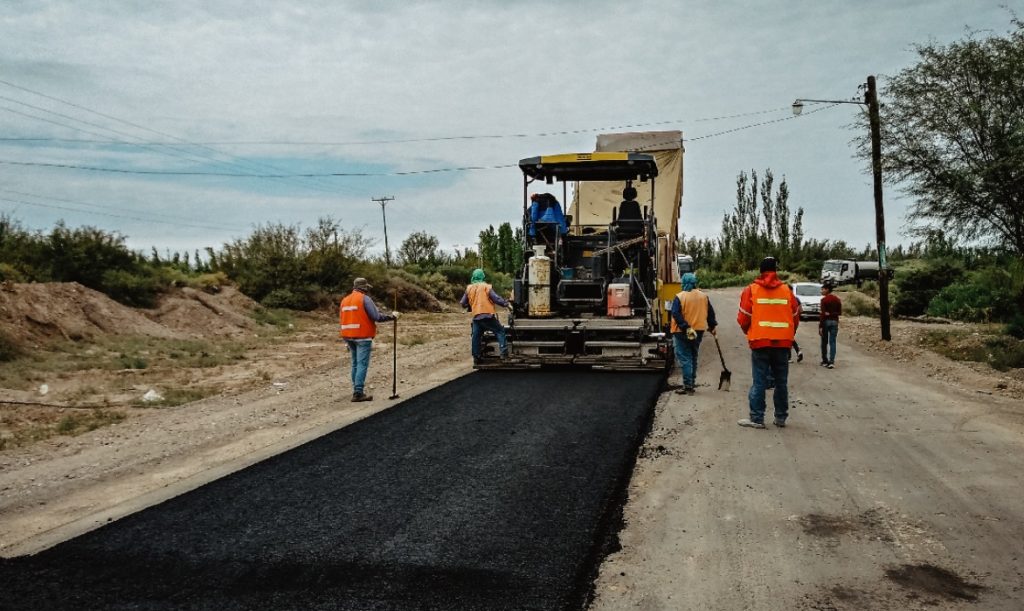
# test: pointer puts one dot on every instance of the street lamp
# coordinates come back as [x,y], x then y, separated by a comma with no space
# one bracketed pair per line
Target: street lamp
[871,101]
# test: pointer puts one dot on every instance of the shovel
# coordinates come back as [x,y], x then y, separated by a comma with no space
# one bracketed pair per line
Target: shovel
[394,357]
[726,378]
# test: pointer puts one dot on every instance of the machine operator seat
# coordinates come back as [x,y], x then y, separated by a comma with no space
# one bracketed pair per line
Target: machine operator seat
[630,222]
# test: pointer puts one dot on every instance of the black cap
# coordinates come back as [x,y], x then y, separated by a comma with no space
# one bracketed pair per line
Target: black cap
[769,264]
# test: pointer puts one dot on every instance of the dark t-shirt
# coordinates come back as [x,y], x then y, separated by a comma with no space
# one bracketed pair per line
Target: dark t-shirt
[831,308]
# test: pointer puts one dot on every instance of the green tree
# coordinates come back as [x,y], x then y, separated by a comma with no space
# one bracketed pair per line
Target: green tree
[420,248]
[489,246]
[953,136]
[760,223]
[509,249]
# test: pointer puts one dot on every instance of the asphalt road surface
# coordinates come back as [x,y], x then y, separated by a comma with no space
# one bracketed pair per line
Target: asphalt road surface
[494,491]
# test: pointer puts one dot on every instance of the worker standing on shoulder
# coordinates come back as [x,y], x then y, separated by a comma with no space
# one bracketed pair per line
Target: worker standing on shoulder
[769,315]
[828,324]
[692,315]
[359,317]
[480,299]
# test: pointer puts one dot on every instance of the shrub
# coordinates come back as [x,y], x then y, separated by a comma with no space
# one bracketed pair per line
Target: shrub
[438,286]
[288,298]
[716,279]
[1016,326]
[132,362]
[135,289]
[8,273]
[209,283]
[273,317]
[410,296]
[858,304]
[983,296]
[917,287]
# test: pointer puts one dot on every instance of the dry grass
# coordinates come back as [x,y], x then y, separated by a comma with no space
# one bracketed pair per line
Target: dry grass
[24,426]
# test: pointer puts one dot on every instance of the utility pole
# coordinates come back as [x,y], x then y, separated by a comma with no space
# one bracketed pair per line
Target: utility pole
[871,99]
[382,201]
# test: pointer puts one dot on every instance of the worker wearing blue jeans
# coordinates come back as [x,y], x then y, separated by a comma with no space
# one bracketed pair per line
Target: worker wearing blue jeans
[691,316]
[480,299]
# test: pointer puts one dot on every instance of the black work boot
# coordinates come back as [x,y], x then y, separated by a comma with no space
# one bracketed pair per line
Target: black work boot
[358,396]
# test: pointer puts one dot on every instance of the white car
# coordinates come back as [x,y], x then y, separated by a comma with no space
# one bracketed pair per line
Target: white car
[809,294]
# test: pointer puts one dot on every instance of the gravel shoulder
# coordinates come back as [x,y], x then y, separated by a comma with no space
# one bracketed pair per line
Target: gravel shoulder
[60,487]
[895,484]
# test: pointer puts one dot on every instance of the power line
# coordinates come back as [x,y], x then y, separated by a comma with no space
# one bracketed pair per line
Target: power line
[90,205]
[121,216]
[413,140]
[72,166]
[368,174]
[134,125]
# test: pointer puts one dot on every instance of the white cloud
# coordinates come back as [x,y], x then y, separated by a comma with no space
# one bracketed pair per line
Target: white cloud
[353,71]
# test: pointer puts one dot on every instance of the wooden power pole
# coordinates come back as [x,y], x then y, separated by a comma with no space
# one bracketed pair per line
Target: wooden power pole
[383,201]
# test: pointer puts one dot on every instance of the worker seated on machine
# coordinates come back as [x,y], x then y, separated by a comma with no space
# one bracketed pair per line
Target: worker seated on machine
[546,217]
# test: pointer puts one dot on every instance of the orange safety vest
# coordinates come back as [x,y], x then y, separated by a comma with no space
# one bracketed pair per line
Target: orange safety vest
[694,305]
[771,316]
[355,322]
[479,295]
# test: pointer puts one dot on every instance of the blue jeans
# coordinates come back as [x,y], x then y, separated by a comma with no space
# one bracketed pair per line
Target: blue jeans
[487,324]
[829,331]
[359,350]
[765,362]
[686,354]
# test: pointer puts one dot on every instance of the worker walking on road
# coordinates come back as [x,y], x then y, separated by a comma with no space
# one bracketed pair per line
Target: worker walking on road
[828,324]
[480,299]
[692,315]
[359,317]
[769,315]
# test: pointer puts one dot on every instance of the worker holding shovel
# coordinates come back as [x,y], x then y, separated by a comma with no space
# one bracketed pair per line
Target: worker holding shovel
[359,317]
[692,315]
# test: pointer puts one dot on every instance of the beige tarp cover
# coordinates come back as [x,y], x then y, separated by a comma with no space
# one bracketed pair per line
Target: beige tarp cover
[593,202]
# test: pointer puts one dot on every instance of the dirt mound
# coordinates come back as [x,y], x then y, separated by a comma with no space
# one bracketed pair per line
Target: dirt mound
[44,311]
[41,312]
[199,314]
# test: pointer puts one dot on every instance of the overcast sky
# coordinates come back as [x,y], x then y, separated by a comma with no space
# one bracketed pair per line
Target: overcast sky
[285,88]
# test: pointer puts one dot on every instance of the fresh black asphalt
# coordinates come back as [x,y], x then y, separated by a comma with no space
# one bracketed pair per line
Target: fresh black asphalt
[498,490]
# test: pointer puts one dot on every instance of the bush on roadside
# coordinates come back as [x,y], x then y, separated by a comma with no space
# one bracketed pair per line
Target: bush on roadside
[711,279]
[138,289]
[856,303]
[1015,328]
[8,273]
[288,298]
[916,287]
[983,296]
[209,283]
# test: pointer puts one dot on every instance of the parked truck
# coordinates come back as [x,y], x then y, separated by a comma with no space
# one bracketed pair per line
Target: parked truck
[598,277]
[843,271]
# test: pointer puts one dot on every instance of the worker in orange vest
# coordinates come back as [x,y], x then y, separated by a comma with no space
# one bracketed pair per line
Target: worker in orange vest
[692,315]
[769,314]
[359,317]
[480,299]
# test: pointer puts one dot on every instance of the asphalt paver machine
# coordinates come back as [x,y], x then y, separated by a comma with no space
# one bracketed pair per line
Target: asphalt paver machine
[587,293]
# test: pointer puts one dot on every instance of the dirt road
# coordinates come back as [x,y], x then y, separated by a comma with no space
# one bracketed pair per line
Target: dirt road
[897,483]
[889,488]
